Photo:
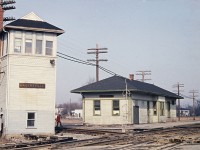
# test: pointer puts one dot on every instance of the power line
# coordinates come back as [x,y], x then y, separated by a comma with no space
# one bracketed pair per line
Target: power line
[97,51]
[185,96]
[86,63]
[70,58]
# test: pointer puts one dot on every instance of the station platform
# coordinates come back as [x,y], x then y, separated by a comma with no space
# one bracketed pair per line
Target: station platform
[145,126]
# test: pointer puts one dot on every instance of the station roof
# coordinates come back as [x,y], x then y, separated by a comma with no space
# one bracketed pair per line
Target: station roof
[118,84]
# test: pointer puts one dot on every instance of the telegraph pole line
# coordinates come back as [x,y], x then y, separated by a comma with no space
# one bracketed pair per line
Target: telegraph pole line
[193,97]
[143,74]
[4,5]
[97,51]
[178,86]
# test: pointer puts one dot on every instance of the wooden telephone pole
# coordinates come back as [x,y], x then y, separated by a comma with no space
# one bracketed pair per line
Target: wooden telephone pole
[193,97]
[4,5]
[143,73]
[97,51]
[178,86]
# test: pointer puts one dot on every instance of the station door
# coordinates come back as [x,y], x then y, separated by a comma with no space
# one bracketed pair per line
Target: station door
[135,114]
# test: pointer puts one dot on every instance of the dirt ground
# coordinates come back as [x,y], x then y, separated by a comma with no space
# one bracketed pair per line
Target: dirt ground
[72,121]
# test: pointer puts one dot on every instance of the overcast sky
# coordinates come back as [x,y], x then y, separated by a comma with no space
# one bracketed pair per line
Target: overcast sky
[158,35]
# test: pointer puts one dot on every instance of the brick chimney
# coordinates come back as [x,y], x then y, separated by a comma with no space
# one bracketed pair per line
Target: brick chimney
[131,77]
[1,17]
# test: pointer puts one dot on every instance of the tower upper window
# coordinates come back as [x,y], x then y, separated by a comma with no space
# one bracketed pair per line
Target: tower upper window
[18,42]
[28,43]
[39,43]
[49,47]
[28,46]
[18,45]
[38,47]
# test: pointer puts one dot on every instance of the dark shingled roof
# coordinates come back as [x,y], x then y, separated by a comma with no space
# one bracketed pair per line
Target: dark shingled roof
[117,84]
[24,24]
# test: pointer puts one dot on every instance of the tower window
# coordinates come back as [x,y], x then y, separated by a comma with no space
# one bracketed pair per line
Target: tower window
[49,47]
[31,119]
[18,45]
[28,46]
[38,47]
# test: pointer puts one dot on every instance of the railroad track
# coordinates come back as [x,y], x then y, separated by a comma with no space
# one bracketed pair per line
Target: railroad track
[91,131]
[145,139]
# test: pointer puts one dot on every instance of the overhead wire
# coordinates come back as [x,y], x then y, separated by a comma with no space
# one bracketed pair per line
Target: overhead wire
[76,45]
[70,58]
[189,97]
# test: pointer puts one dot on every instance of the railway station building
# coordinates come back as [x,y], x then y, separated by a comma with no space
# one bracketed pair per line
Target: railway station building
[28,76]
[119,100]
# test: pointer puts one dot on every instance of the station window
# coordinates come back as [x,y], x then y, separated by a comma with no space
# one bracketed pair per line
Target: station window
[31,119]
[97,107]
[173,102]
[115,110]
[49,47]
[162,108]
[154,108]
[18,45]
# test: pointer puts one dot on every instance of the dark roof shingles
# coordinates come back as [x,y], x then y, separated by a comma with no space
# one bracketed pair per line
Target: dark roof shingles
[117,83]
[32,24]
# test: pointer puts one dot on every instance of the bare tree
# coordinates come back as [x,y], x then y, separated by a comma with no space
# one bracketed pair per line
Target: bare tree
[68,107]
[90,80]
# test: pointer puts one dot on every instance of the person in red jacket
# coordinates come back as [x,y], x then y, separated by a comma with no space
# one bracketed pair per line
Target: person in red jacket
[58,120]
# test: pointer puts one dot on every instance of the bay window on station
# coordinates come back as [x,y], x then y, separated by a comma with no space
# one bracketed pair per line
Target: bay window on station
[97,108]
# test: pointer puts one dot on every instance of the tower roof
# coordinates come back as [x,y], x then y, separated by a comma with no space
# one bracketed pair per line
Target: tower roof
[32,22]
[32,16]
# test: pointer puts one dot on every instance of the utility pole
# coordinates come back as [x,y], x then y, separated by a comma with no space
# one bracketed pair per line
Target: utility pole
[193,97]
[97,51]
[4,5]
[70,107]
[143,73]
[178,86]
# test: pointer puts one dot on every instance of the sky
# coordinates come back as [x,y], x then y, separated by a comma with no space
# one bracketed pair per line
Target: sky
[158,35]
